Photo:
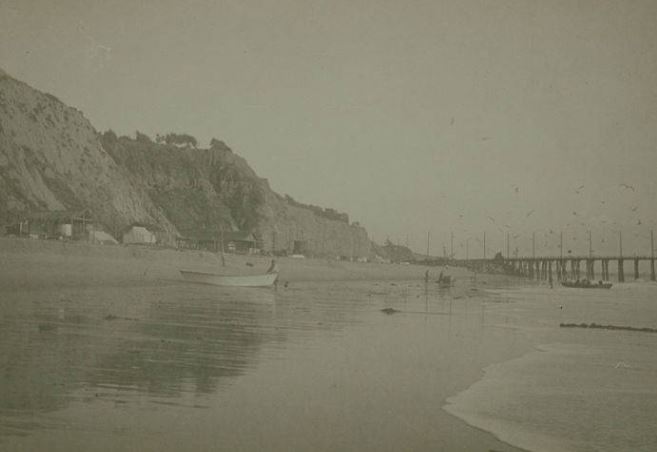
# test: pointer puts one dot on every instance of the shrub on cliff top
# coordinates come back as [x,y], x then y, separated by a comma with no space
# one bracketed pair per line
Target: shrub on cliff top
[177,139]
[142,137]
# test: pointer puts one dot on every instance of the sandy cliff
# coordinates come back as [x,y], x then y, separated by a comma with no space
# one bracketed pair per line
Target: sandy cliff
[51,158]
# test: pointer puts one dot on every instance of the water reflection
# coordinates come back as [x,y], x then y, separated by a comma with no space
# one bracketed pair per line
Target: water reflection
[191,345]
[114,343]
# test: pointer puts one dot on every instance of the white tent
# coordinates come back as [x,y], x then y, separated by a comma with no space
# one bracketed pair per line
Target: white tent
[139,234]
[102,237]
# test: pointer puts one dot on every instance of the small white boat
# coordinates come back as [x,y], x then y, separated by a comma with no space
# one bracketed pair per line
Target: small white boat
[265,280]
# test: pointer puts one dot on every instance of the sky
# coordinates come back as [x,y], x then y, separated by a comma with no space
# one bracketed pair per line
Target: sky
[420,119]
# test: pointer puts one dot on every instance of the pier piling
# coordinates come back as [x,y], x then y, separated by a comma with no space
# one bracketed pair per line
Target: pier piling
[621,273]
[636,268]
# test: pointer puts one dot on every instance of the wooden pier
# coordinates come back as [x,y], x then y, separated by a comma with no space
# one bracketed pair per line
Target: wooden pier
[546,268]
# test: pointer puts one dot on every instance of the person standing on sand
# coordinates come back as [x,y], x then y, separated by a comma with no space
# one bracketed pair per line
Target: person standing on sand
[426,277]
[273,268]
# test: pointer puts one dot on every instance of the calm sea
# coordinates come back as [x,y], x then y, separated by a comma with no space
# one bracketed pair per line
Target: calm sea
[317,366]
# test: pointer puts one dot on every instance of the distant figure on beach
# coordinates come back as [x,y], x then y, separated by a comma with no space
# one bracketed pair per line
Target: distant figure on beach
[273,268]
[426,276]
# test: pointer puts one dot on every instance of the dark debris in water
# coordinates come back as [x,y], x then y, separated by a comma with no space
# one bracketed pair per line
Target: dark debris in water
[608,327]
[116,317]
[47,327]
[390,311]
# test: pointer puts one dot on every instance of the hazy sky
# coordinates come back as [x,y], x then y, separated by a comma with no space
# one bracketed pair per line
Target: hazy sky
[408,115]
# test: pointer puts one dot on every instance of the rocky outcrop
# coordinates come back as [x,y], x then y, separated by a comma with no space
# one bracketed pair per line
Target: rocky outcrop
[51,158]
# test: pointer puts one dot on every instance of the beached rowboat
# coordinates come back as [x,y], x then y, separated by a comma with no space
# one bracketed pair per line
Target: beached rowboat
[265,280]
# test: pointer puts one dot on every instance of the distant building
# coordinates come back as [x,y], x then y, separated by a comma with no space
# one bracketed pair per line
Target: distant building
[234,242]
[206,243]
[101,237]
[240,242]
[53,224]
[300,247]
[138,233]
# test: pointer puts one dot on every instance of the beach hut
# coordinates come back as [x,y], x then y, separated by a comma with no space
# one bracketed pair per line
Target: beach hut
[206,242]
[300,247]
[240,242]
[101,237]
[65,230]
[67,224]
[139,234]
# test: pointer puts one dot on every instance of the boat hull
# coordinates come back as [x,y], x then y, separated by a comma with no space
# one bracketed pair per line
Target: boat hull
[265,280]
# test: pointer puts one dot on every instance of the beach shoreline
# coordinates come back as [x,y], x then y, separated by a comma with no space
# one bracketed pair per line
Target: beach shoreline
[43,263]
[65,267]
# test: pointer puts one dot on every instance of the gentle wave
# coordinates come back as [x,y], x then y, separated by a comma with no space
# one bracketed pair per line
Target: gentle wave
[483,403]
[566,398]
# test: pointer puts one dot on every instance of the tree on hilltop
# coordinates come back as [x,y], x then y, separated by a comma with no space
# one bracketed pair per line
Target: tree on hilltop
[177,139]
[110,136]
[142,137]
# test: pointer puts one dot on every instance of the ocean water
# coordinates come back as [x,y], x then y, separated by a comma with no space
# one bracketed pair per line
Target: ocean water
[580,389]
[170,366]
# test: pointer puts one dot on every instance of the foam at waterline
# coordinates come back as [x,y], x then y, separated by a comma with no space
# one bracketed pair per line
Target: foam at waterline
[483,404]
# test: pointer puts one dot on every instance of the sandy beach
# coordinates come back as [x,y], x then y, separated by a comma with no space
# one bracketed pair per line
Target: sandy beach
[38,263]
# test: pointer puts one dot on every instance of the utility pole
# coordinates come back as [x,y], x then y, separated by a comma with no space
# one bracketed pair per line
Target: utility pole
[652,256]
[560,266]
[451,246]
[467,251]
[484,245]
[590,245]
[620,243]
[428,237]
[533,244]
[221,244]
[507,246]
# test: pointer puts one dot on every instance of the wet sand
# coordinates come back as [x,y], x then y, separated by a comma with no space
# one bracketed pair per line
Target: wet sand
[105,349]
